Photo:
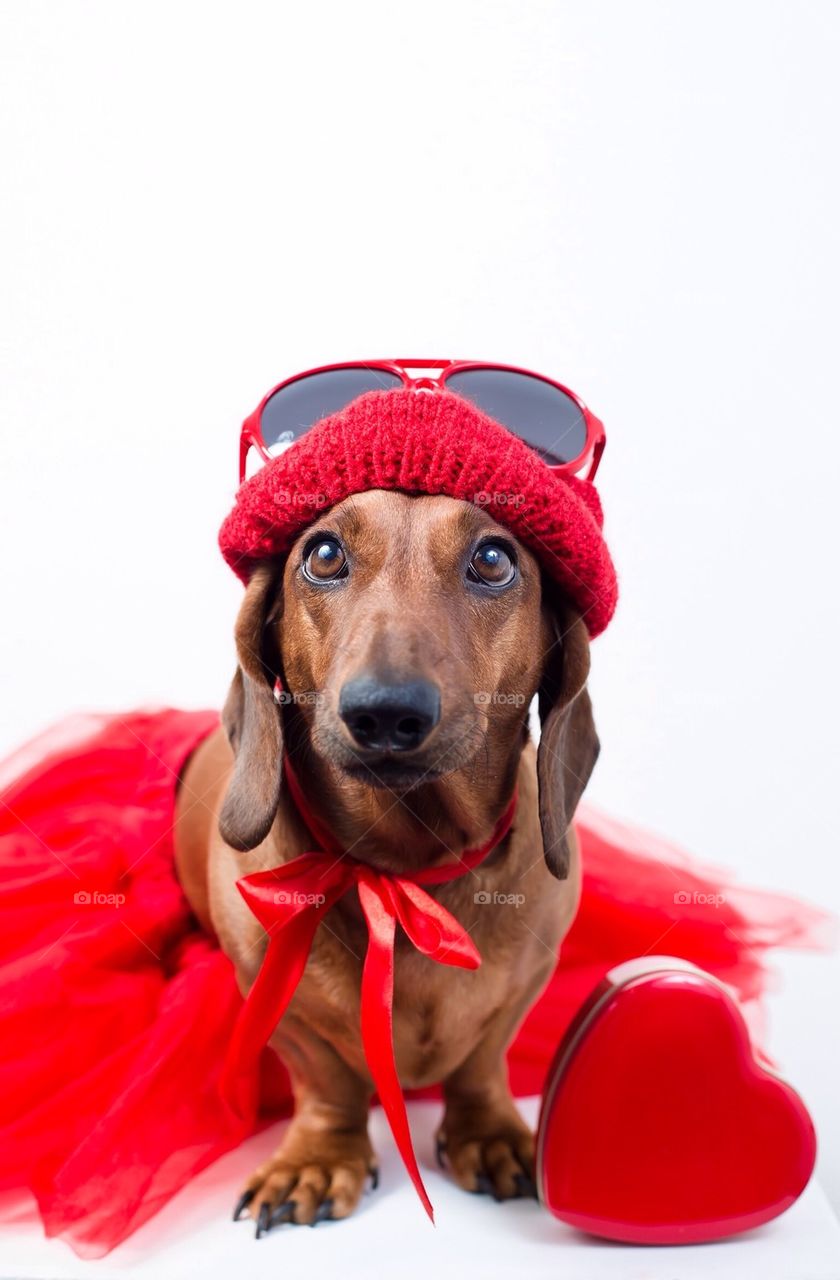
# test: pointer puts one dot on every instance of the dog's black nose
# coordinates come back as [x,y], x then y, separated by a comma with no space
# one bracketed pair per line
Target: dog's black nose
[389,717]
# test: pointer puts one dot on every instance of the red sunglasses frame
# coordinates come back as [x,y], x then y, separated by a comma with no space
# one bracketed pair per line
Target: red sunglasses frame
[590,456]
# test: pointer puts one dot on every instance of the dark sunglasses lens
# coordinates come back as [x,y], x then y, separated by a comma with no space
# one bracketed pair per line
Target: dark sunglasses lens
[293,409]
[542,415]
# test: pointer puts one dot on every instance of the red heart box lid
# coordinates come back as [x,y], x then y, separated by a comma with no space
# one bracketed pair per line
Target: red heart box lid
[658,1123]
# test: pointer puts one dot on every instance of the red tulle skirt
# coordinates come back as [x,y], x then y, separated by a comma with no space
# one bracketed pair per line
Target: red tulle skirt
[117,1007]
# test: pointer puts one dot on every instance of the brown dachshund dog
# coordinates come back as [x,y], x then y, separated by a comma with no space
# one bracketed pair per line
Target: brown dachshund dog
[412,634]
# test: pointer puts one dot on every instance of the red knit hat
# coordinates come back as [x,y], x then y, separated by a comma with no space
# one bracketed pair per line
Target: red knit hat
[434,443]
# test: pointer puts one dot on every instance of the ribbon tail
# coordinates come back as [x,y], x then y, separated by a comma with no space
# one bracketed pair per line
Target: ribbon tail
[377,1003]
[279,974]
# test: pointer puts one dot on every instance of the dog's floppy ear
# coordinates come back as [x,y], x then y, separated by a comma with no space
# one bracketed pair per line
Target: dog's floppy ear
[253,725]
[568,742]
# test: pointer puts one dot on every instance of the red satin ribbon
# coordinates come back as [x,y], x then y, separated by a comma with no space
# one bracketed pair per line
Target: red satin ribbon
[291,900]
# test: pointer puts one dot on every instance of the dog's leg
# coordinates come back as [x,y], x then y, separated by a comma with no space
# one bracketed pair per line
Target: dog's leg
[483,1140]
[321,1166]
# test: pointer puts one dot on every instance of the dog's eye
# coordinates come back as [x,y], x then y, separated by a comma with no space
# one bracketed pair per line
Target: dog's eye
[493,564]
[325,560]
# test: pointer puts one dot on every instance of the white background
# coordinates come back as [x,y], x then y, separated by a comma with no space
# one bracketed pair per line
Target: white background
[641,200]
[389,1235]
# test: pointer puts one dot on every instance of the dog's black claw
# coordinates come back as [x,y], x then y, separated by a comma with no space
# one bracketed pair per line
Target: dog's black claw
[440,1151]
[374,1177]
[527,1186]
[242,1203]
[284,1212]
[323,1212]
[483,1185]
[263,1219]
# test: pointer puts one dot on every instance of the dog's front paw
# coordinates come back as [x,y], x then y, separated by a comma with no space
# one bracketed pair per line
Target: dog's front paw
[312,1176]
[488,1150]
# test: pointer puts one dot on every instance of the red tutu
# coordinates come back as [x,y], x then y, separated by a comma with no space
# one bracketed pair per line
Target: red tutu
[117,1007]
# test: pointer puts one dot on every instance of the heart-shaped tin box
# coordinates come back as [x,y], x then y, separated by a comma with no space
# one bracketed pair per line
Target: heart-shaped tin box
[659,1124]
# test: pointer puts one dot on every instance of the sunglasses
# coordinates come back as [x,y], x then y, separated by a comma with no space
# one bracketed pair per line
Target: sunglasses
[546,415]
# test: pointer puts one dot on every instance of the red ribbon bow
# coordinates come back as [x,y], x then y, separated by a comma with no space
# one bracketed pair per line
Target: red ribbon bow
[291,900]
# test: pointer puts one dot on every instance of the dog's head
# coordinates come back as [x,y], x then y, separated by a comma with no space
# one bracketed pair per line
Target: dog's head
[410,635]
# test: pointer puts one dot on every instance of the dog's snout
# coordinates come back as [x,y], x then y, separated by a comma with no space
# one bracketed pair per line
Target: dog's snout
[389,717]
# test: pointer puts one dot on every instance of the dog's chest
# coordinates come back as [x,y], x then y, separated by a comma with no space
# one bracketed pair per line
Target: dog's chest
[438,1012]
[441,1012]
